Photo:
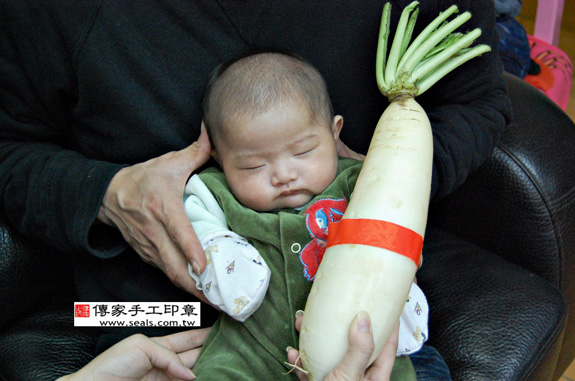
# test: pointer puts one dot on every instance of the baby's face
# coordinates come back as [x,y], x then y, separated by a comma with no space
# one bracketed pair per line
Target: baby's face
[279,159]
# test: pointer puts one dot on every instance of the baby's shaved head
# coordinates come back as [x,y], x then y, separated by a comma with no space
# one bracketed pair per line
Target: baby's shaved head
[251,85]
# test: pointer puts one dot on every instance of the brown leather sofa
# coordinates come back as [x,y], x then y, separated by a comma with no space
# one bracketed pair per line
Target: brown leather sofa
[501,280]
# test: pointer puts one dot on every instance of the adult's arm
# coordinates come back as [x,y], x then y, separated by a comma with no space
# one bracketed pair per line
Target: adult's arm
[49,190]
[71,189]
[52,191]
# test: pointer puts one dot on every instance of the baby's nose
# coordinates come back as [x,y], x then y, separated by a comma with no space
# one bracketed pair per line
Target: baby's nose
[284,175]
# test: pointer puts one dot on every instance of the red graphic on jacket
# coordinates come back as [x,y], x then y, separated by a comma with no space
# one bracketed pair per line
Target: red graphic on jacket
[317,218]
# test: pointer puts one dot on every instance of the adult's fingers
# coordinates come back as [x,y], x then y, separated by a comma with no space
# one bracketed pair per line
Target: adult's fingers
[180,245]
[298,319]
[293,358]
[187,344]
[383,364]
[197,153]
[183,238]
[162,358]
[354,363]
[177,224]
[184,340]
[361,345]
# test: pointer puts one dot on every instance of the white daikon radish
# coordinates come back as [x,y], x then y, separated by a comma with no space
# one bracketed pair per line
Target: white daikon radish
[374,251]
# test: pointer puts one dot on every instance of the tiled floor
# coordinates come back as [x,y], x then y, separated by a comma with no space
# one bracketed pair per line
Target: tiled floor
[567,44]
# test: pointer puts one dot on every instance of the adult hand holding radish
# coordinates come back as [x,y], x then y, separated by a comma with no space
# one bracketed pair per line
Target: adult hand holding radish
[355,361]
[374,251]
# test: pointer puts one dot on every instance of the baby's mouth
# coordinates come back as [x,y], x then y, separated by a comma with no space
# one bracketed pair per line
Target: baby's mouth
[290,192]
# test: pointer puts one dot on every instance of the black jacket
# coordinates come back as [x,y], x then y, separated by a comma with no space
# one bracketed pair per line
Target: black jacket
[87,87]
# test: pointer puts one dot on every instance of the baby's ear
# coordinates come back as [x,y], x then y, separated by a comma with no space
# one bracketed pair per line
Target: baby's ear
[336,126]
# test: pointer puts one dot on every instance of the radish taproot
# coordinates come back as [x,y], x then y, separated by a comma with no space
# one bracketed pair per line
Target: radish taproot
[373,253]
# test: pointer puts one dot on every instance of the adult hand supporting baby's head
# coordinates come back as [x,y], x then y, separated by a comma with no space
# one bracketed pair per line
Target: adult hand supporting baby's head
[144,201]
[345,151]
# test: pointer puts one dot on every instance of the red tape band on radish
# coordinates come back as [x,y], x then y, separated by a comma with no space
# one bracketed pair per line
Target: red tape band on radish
[377,233]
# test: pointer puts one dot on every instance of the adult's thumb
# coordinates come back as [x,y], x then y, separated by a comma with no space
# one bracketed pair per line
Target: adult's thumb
[361,346]
[199,151]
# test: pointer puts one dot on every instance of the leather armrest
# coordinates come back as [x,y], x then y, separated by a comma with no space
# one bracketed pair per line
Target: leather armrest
[31,273]
[489,318]
[45,344]
[521,203]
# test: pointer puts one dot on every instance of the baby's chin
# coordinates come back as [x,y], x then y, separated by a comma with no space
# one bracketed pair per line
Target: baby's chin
[294,202]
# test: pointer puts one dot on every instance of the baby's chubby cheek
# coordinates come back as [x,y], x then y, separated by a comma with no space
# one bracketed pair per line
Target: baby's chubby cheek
[251,196]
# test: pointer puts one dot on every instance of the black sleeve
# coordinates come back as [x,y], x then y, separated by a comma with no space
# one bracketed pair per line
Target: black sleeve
[49,190]
[469,108]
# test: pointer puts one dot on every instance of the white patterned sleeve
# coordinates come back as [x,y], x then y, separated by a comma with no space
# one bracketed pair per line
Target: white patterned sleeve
[413,330]
[236,277]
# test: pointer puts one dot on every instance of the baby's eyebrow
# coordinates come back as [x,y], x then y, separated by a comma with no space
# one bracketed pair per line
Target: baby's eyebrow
[255,155]
[251,155]
[304,139]
[247,156]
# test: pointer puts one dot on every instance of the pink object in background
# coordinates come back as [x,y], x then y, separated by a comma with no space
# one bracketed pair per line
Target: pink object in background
[544,50]
[551,58]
